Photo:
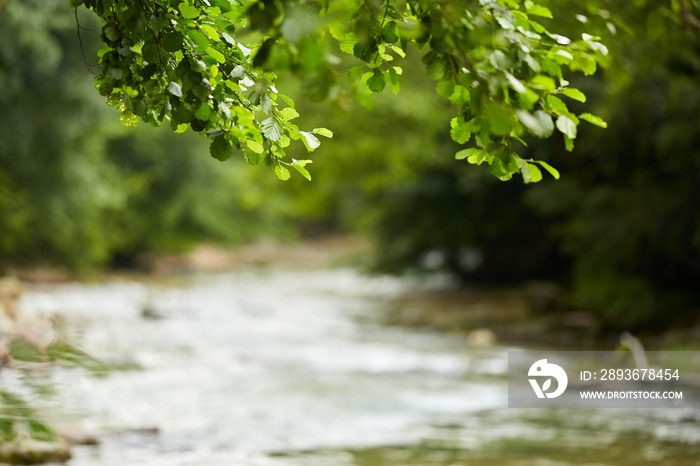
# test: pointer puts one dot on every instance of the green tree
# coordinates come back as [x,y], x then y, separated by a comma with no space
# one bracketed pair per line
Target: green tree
[179,197]
[56,188]
[621,228]
[634,226]
[77,188]
[212,67]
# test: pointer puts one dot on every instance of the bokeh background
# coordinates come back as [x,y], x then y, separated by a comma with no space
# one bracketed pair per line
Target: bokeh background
[620,231]
[333,366]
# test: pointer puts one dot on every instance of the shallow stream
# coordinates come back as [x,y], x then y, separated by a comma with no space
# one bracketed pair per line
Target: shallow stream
[279,367]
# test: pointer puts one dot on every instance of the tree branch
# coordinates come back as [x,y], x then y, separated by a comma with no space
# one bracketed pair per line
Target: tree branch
[80,41]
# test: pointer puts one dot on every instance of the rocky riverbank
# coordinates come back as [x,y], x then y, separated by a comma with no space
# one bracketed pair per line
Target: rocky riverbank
[24,438]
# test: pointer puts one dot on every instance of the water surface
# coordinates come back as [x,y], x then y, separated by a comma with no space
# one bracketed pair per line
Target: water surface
[280,367]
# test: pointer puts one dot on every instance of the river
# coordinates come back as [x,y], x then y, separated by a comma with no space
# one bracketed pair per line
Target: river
[280,367]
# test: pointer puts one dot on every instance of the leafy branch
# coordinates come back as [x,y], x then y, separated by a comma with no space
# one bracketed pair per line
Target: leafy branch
[193,65]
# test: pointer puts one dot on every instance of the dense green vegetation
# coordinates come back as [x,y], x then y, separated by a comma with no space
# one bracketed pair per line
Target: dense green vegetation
[213,68]
[620,228]
[76,187]
[623,216]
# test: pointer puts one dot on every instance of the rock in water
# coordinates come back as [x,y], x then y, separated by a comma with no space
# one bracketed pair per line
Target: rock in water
[23,449]
[10,290]
[481,337]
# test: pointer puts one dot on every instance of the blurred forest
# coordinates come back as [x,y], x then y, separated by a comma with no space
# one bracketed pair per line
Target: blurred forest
[620,229]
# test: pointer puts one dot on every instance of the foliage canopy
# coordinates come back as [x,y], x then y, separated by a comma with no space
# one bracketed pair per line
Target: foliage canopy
[78,189]
[212,66]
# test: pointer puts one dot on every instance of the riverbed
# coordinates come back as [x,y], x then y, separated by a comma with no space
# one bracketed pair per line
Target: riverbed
[272,366]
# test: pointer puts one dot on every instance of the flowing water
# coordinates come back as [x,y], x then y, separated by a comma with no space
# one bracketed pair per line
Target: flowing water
[275,367]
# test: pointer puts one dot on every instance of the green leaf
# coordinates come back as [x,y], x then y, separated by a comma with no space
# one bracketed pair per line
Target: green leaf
[210,31]
[22,350]
[376,82]
[14,404]
[288,114]
[568,143]
[543,82]
[461,95]
[583,63]
[200,40]
[355,73]
[115,73]
[40,431]
[529,172]
[246,51]
[172,41]
[6,429]
[398,51]
[497,119]
[365,50]
[499,170]
[566,126]
[282,173]
[445,87]
[539,123]
[323,132]
[199,66]
[150,53]
[347,44]
[528,99]
[204,112]
[220,149]
[535,173]
[299,166]
[271,129]
[174,89]
[215,133]
[434,65]
[253,158]
[389,33]
[228,39]
[552,171]
[393,80]
[266,104]
[460,131]
[524,170]
[60,350]
[573,93]
[464,153]
[237,72]
[516,84]
[473,155]
[188,11]
[310,141]
[111,32]
[255,146]
[556,105]
[532,63]
[216,55]
[595,120]
[129,119]
[337,30]
[539,10]
[563,57]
